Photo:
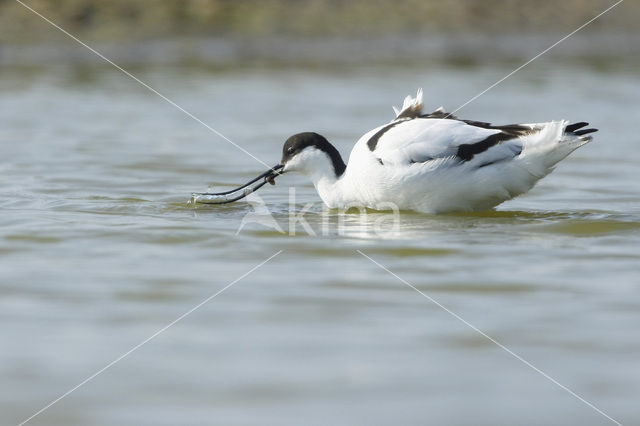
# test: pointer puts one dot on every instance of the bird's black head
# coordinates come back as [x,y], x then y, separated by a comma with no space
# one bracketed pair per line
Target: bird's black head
[299,142]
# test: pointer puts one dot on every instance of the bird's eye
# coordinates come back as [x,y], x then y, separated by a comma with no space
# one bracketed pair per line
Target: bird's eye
[290,150]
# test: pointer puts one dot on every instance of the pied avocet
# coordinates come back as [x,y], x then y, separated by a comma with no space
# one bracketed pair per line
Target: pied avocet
[431,163]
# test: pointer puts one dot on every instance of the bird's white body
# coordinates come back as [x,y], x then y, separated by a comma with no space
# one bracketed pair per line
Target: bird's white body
[435,163]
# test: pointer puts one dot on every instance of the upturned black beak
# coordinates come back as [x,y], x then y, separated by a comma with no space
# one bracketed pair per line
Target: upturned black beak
[239,192]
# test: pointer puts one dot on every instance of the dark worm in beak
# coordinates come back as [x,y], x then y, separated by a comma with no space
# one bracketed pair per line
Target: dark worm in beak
[239,192]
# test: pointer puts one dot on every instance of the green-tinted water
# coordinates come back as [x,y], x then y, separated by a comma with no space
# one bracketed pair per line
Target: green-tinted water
[100,249]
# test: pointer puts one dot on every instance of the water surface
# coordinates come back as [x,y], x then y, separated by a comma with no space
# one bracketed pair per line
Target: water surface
[100,249]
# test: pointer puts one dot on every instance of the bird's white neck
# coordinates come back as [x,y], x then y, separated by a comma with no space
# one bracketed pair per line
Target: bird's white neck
[327,183]
[329,187]
[320,168]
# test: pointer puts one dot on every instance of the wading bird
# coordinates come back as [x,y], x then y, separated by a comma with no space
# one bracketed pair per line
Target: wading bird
[432,163]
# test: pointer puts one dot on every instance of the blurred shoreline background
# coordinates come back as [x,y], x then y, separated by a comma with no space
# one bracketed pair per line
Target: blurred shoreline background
[222,32]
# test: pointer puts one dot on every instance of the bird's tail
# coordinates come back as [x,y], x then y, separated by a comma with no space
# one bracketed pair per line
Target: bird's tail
[571,131]
[573,136]
[554,141]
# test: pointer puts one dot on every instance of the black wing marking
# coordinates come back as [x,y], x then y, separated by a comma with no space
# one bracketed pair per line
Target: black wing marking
[511,129]
[439,113]
[373,141]
[573,128]
[584,132]
[466,151]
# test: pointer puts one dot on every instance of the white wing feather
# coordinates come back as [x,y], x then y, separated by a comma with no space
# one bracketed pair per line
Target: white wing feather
[424,139]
